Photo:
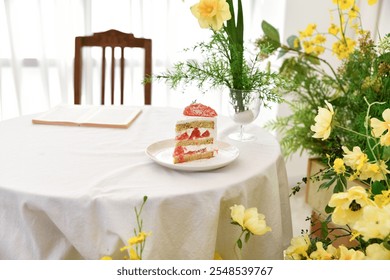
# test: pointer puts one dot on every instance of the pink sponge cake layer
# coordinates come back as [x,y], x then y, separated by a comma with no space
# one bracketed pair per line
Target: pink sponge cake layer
[195,134]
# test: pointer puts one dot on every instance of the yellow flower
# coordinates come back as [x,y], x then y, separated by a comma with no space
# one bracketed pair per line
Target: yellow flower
[349,254]
[319,39]
[217,256]
[255,222]
[355,159]
[376,171]
[344,4]
[308,46]
[377,252]
[308,32]
[322,254]
[322,127]
[211,13]
[343,48]
[133,255]
[237,214]
[338,166]
[354,12]
[374,222]
[333,29]
[348,205]
[382,199]
[379,128]
[106,258]
[372,2]
[249,219]
[298,248]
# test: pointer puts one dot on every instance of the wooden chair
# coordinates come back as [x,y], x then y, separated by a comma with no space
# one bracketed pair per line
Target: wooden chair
[112,38]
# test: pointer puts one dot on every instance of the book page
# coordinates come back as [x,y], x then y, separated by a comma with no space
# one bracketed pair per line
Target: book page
[89,115]
[65,114]
[112,116]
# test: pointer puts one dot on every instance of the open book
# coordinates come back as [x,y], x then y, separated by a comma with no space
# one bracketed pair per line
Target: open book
[89,115]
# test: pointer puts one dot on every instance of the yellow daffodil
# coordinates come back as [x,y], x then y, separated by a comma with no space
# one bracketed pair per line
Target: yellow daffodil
[106,258]
[348,205]
[338,166]
[349,254]
[211,13]
[374,222]
[298,248]
[322,127]
[377,252]
[249,219]
[380,127]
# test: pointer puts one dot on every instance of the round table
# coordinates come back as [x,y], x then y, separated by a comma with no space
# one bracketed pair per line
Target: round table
[69,192]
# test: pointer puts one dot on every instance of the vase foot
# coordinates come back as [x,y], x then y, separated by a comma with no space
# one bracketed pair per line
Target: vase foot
[242,137]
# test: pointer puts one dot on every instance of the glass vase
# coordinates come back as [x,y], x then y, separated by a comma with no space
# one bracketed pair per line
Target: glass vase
[244,107]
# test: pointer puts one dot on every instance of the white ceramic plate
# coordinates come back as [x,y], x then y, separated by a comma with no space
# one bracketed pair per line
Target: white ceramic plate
[161,152]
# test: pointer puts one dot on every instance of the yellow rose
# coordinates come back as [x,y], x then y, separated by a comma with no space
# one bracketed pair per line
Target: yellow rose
[249,219]
[355,159]
[322,254]
[348,205]
[237,214]
[376,171]
[349,254]
[298,248]
[322,127]
[211,13]
[255,222]
[377,252]
[374,222]
[382,199]
[379,128]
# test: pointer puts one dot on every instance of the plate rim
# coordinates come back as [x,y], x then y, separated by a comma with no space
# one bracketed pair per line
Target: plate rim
[181,167]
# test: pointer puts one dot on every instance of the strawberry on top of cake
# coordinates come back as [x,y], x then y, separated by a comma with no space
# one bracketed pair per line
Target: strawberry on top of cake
[195,134]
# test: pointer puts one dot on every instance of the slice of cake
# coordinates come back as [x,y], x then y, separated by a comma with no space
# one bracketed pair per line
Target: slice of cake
[195,134]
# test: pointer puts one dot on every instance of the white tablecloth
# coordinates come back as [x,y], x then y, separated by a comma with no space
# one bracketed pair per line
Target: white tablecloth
[70,192]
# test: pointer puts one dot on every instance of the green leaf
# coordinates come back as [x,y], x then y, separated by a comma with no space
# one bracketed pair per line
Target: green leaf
[377,187]
[270,31]
[239,243]
[282,52]
[247,236]
[312,59]
[329,209]
[386,153]
[291,42]
[240,24]
[327,184]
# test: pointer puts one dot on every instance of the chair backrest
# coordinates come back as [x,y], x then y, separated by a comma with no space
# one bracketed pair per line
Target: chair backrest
[112,38]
